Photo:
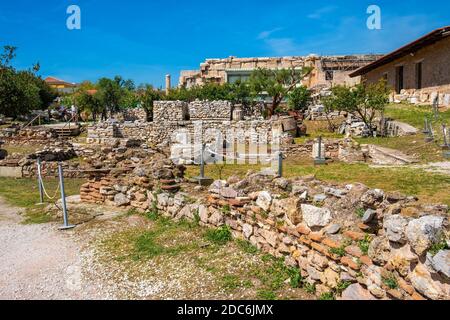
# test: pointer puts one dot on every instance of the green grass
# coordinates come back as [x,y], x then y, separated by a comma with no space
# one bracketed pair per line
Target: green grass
[24,193]
[390,281]
[219,236]
[435,248]
[21,149]
[414,115]
[247,247]
[327,296]
[365,244]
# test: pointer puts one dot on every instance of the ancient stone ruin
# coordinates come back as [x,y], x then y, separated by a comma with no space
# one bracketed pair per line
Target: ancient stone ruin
[375,245]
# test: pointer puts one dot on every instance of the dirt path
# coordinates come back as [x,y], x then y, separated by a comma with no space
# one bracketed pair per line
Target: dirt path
[37,261]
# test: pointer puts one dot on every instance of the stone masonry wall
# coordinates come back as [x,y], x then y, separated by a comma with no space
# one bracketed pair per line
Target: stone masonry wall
[214,110]
[357,242]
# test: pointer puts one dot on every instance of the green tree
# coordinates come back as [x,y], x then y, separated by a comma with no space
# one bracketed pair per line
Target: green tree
[362,101]
[21,91]
[277,84]
[147,95]
[299,98]
[110,94]
[89,102]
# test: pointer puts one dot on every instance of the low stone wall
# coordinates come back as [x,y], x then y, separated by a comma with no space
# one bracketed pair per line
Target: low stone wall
[164,111]
[136,114]
[359,243]
[424,96]
[210,110]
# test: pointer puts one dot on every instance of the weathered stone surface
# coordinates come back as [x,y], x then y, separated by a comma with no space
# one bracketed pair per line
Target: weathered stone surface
[356,292]
[288,207]
[424,232]
[216,217]
[203,213]
[229,193]
[247,230]
[423,282]
[270,236]
[395,227]
[316,217]
[163,200]
[281,183]
[333,228]
[264,200]
[369,215]
[121,200]
[330,278]
[441,262]
[372,197]
[379,250]
[402,257]
[320,198]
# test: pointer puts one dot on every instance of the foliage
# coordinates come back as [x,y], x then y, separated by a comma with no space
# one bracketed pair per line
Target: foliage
[147,95]
[364,101]
[21,91]
[277,84]
[365,244]
[219,236]
[360,212]
[247,247]
[391,281]
[327,296]
[299,98]
[338,251]
[296,278]
[440,245]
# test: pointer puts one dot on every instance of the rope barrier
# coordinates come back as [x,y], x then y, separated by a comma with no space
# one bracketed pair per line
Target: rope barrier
[46,193]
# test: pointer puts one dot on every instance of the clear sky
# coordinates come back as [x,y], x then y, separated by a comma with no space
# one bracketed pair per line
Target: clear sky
[144,40]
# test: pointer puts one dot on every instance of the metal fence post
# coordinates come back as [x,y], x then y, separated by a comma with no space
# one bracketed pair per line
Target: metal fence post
[280,164]
[66,225]
[41,190]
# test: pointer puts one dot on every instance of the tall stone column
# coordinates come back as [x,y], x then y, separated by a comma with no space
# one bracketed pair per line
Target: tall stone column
[168,83]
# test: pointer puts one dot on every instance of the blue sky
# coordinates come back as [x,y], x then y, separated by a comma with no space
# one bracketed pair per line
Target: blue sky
[144,40]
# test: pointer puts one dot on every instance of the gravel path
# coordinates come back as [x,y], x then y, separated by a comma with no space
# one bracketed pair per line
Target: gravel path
[38,261]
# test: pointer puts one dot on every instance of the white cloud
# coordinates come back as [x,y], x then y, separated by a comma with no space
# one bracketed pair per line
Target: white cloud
[268,33]
[319,13]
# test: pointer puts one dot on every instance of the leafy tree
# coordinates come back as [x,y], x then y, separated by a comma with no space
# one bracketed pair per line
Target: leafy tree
[362,101]
[299,98]
[147,95]
[277,84]
[89,102]
[110,94]
[21,91]
[241,93]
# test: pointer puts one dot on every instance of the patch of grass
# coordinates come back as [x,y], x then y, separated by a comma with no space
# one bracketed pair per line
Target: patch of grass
[296,278]
[37,216]
[267,295]
[435,248]
[365,244]
[24,193]
[21,149]
[230,283]
[327,296]
[310,288]
[246,246]
[219,236]
[146,246]
[414,115]
[341,286]
[338,251]
[226,209]
[360,212]
[390,280]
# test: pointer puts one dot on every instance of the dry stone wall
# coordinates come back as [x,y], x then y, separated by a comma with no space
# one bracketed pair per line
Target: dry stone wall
[357,242]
